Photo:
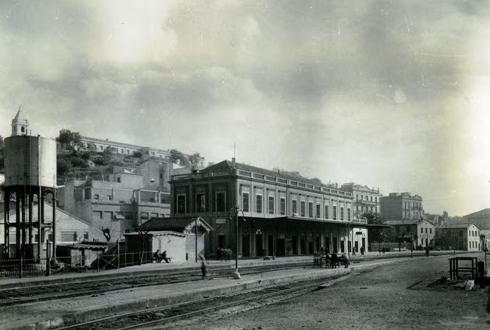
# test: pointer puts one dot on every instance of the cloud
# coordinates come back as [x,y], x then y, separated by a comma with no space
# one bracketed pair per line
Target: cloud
[381,92]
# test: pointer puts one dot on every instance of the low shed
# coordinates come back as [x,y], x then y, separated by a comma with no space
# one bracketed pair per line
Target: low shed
[176,236]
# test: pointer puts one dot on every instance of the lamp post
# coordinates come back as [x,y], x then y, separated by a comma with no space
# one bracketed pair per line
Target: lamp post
[195,228]
[236,209]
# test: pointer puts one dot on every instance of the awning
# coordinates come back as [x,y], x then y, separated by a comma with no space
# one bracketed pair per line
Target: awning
[85,246]
[351,224]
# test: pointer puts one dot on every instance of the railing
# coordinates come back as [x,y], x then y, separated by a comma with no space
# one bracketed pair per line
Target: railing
[18,268]
[22,267]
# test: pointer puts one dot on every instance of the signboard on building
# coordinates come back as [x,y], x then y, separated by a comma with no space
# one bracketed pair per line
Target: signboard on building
[220,221]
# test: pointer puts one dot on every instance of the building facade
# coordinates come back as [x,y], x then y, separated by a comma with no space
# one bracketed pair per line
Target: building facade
[129,198]
[278,214]
[366,200]
[401,206]
[460,236]
[420,233]
[123,149]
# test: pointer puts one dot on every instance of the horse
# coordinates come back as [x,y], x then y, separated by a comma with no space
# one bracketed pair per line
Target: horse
[224,254]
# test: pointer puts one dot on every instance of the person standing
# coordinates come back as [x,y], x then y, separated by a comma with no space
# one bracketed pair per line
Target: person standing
[204,269]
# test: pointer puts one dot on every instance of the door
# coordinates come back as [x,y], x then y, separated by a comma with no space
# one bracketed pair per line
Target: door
[294,243]
[259,248]
[270,245]
[281,247]
[246,246]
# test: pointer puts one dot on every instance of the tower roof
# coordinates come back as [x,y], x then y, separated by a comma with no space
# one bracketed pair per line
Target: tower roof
[20,118]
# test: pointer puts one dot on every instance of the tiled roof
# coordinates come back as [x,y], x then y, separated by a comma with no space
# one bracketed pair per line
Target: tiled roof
[227,165]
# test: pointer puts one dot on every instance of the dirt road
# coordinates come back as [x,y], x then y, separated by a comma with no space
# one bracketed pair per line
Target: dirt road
[394,296]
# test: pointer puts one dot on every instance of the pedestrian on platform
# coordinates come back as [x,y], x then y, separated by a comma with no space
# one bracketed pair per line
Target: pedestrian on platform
[156,256]
[164,256]
[204,269]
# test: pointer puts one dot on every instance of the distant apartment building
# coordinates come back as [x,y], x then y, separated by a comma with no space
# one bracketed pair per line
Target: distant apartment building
[130,197]
[418,231]
[366,200]
[123,149]
[460,236]
[401,206]
[279,214]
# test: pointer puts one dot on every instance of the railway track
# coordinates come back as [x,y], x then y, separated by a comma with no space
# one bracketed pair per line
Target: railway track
[174,315]
[46,292]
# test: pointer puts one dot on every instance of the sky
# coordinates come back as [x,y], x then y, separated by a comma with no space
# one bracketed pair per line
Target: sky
[389,94]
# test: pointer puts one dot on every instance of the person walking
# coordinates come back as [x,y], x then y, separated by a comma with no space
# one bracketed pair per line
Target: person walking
[204,268]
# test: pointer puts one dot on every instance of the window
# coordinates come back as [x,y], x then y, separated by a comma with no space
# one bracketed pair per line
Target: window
[295,207]
[221,201]
[310,209]
[109,197]
[258,203]
[430,230]
[283,206]
[335,212]
[318,210]
[426,230]
[341,213]
[85,236]
[303,208]
[200,203]
[245,202]
[96,196]
[68,236]
[181,203]
[348,214]
[271,205]
[326,212]
[421,230]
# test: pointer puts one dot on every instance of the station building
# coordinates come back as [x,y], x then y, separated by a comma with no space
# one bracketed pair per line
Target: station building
[267,213]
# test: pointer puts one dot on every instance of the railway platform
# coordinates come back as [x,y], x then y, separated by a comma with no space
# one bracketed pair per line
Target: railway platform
[53,314]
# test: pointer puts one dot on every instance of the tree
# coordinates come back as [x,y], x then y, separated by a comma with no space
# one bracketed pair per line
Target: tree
[378,234]
[63,167]
[72,140]
[178,158]
[107,155]
[195,159]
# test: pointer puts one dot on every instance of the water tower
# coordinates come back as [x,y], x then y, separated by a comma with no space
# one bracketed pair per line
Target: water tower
[30,176]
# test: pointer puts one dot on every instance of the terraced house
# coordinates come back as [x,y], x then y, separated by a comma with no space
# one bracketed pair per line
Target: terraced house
[266,212]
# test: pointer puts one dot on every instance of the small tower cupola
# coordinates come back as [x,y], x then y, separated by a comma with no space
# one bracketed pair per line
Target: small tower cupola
[20,124]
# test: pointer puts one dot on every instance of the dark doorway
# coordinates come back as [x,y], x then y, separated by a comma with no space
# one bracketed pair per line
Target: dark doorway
[302,248]
[363,243]
[335,244]
[281,247]
[356,246]
[310,247]
[259,248]
[327,244]
[270,245]
[342,246]
[349,246]
[221,241]
[317,244]
[246,246]
[294,243]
